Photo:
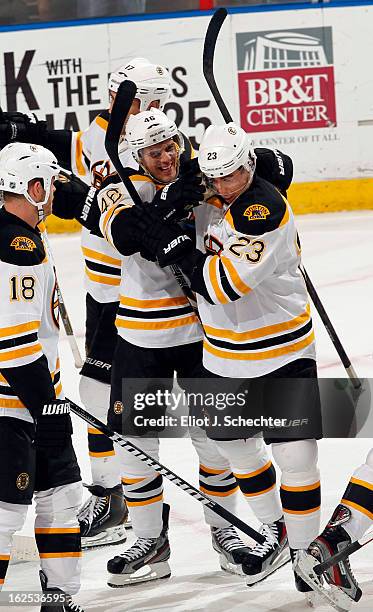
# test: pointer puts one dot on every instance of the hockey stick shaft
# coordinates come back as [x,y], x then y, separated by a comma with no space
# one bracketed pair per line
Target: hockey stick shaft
[211,37]
[356,382]
[63,312]
[164,471]
[343,554]
[123,100]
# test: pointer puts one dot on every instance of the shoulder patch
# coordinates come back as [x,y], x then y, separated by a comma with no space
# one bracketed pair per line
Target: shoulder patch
[256,212]
[23,243]
[20,247]
[260,209]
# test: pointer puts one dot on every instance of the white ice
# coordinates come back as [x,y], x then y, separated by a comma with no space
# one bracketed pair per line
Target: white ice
[338,255]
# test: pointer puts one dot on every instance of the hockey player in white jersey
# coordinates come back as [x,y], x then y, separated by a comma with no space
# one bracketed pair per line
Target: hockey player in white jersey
[158,329]
[103,273]
[349,522]
[254,307]
[37,457]
[104,516]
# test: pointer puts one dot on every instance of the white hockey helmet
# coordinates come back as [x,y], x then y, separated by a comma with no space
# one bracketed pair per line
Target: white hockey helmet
[148,128]
[152,80]
[224,149]
[20,163]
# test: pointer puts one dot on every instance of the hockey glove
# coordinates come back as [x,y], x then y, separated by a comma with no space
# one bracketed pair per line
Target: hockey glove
[22,127]
[53,425]
[69,196]
[177,199]
[168,243]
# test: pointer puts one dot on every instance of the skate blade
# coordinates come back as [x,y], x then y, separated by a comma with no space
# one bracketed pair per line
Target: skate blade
[331,594]
[147,573]
[109,537]
[282,559]
[313,599]
[231,568]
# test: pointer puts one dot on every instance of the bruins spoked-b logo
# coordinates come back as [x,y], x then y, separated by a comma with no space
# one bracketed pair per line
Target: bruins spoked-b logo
[23,243]
[118,407]
[256,212]
[23,481]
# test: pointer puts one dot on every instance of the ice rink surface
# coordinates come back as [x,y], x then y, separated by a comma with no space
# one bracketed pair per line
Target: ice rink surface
[338,255]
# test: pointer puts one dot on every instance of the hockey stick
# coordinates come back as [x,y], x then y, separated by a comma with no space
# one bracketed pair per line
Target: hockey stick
[356,382]
[63,311]
[343,554]
[161,469]
[123,100]
[211,37]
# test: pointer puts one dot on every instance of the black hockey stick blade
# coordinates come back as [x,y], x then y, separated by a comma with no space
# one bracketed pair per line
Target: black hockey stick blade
[122,104]
[165,471]
[343,554]
[211,37]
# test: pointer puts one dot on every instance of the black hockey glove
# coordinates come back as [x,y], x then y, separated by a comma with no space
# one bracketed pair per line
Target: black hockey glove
[177,199]
[275,167]
[53,425]
[168,243]
[69,196]
[22,127]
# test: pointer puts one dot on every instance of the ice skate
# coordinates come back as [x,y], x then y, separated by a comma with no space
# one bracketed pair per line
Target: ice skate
[311,596]
[103,518]
[232,551]
[339,587]
[144,561]
[53,596]
[264,559]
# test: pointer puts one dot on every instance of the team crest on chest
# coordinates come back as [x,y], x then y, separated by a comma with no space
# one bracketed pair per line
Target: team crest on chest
[22,243]
[23,481]
[256,212]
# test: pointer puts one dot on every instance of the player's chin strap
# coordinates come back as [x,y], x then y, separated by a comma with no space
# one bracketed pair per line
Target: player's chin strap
[211,37]
[39,205]
[41,213]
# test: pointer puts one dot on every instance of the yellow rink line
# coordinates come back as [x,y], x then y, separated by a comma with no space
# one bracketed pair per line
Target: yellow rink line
[317,197]
[331,196]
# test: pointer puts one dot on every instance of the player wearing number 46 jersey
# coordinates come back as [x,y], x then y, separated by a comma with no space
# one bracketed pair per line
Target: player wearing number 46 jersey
[36,454]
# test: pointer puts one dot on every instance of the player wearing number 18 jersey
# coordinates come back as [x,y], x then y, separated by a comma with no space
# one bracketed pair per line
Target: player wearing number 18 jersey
[36,453]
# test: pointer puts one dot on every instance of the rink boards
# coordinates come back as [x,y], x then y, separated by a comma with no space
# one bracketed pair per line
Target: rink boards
[295,77]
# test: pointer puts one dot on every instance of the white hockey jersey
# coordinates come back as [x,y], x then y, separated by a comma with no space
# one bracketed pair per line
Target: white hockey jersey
[89,160]
[153,310]
[252,297]
[29,324]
